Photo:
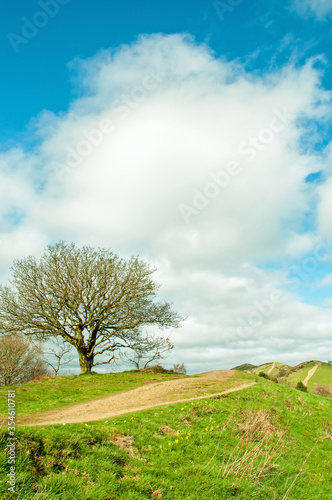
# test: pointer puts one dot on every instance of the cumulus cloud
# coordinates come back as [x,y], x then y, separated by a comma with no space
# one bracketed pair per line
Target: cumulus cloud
[185,158]
[319,8]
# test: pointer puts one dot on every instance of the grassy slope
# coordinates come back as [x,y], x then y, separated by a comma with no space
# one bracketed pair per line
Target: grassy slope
[300,373]
[250,444]
[267,366]
[323,375]
[50,393]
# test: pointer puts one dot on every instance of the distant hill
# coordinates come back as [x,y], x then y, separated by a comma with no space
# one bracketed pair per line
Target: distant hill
[245,367]
[315,375]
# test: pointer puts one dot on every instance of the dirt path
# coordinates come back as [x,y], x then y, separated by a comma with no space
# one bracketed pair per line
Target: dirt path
[310,374]
[271,369]
[141,398]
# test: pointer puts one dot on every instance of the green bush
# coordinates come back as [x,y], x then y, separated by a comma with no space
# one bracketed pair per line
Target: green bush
[264,375]
[301,387]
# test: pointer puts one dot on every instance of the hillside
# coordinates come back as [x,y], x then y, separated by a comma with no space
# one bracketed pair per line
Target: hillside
[245,367]
[257,442]
[315,375]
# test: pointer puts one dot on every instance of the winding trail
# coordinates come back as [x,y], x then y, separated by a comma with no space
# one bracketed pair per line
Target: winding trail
[310,374]
[141,398]
[271,369]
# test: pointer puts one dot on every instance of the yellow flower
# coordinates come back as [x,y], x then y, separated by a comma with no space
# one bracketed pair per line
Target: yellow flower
[206,429]
[132,418]
[176,441]
[182,409]
[178,434]
[169,444]
[187,437]
[189,433]
[211,429]
[160,447]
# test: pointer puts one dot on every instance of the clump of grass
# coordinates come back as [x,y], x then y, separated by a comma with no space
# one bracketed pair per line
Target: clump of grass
[257,451]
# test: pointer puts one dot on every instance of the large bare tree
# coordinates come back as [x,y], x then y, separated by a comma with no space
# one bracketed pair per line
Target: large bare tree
[93,299]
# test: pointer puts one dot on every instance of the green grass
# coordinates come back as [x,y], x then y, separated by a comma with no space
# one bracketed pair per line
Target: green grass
[323,375]
[267,366]
[50,393]
[300,374]
[293,375]
[256,443]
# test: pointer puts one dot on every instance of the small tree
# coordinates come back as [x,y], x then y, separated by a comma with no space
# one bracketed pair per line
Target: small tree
[20,360]
[94,300]
[148,349]
[179,368]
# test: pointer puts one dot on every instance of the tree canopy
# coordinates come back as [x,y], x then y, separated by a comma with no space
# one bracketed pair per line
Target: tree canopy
[92,298]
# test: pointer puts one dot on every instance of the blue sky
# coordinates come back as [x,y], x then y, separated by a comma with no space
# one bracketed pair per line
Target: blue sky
[217,165]
[37,77]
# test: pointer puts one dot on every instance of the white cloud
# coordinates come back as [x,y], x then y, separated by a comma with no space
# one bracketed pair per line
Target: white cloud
[319,8]
[177,116]
[326,281]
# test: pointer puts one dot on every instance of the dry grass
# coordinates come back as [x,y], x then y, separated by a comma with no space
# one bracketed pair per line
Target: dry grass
[323,390]
[259,447]
[126,442]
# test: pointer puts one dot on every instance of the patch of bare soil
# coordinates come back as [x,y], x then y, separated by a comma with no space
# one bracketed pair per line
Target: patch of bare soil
[141,398]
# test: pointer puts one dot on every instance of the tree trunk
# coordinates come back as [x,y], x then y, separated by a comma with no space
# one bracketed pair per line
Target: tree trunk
[86,362]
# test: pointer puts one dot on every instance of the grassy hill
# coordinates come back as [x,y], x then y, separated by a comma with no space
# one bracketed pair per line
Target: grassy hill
[268,441]
[245,367]
[319,383]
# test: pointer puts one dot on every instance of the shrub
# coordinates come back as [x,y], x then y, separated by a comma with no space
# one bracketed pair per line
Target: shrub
[156,369]
[264,375]
[179,368]
[301,387]
[20,360]
[323,390]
